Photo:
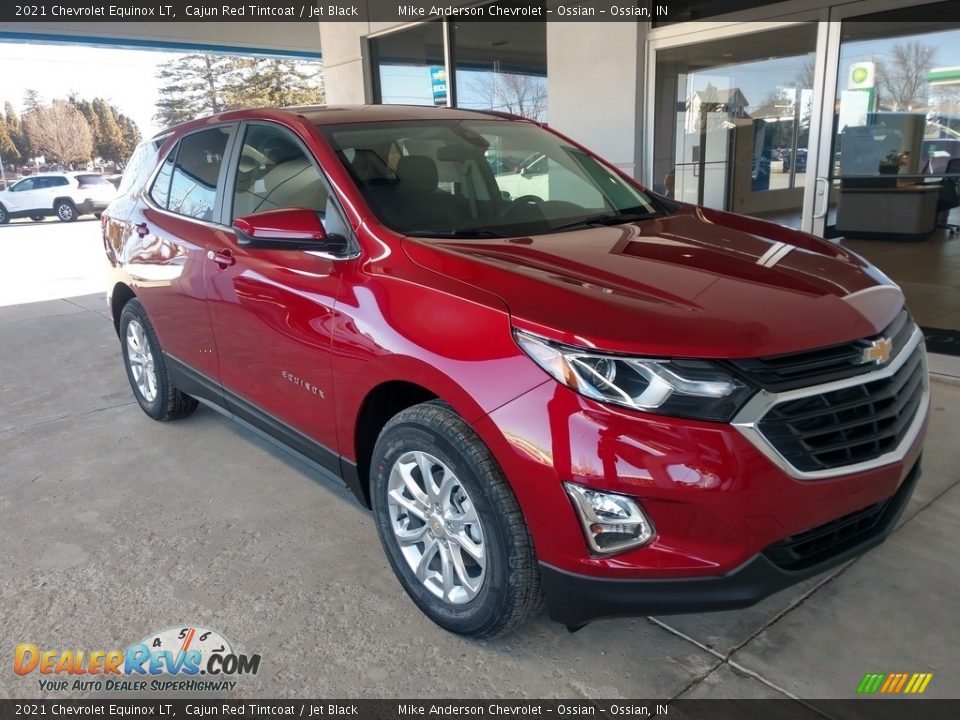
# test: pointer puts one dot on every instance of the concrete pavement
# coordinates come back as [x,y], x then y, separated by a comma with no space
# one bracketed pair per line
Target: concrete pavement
[113,526]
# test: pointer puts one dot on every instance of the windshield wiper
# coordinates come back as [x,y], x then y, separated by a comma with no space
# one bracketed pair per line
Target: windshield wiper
[475,233]
[604,220]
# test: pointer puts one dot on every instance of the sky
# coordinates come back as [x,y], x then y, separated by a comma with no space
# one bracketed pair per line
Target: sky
[126,78]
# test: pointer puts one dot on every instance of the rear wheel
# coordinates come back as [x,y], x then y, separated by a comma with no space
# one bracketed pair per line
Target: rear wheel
[450,524]
[66,211]
[146,370]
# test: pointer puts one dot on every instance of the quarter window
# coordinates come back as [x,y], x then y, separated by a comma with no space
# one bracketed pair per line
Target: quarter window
[160,192]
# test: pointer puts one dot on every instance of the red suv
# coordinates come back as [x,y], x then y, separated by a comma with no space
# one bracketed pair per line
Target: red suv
[553,386]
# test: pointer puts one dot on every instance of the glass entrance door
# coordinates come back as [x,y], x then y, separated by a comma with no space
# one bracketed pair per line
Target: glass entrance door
[732,121]
[888,169]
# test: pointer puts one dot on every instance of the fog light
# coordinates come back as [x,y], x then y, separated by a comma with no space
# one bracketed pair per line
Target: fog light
[611,522]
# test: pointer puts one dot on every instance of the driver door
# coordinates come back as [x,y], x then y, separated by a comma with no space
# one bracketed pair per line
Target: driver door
[273,310]
[20,196]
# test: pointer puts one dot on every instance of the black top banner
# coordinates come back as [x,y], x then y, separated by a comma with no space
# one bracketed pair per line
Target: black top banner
[655,11]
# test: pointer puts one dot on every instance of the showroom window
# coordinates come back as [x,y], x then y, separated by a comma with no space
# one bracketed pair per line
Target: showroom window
[501,66]
[497,65]
[409,67]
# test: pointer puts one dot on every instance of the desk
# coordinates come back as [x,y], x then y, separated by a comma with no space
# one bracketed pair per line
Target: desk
[904,212]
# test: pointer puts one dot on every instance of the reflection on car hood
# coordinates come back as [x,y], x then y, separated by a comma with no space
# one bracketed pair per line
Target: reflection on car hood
[698,283]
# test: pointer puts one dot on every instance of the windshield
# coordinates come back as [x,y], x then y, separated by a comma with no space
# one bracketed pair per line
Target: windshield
[486,178]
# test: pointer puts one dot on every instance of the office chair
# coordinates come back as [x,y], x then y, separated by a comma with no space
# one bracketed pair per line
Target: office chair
[949,197]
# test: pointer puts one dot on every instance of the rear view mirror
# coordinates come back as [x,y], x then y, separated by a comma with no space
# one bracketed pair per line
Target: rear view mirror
[286,229]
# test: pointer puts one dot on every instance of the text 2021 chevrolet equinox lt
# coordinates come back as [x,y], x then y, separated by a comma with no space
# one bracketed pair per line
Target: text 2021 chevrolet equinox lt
[547,386]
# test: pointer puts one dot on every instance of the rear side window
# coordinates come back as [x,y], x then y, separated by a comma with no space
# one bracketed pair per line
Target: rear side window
[92,180]
[193,184]
[187,181]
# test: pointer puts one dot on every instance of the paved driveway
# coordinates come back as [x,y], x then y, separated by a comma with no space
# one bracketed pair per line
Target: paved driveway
[113,526]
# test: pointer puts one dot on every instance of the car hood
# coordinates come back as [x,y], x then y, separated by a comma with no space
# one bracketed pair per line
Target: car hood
[697,283]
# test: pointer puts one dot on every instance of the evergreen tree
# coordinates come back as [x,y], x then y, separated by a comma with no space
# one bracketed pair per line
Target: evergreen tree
[8,149]
[192,85]
[273,82]
[31,101]
[108,142]
[15,130]
[86,109]
[131,136]
[202,84]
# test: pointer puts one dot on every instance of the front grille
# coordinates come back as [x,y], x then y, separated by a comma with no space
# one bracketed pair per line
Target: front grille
[847,426]
[788,372]
[825,541]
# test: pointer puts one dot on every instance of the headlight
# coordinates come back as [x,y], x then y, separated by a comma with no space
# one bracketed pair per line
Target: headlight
[696,389]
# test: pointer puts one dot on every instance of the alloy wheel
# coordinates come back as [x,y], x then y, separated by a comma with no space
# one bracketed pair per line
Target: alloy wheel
[437,527]
[65,212]
[140,358]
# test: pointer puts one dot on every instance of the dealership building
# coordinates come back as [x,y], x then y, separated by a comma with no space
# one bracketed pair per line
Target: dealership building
[797,112]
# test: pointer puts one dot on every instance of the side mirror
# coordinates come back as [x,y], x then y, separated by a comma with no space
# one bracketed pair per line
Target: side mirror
[286,229]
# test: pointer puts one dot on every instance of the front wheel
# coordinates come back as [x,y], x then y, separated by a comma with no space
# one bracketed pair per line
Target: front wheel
[66,211]
[4,215]
[450,524]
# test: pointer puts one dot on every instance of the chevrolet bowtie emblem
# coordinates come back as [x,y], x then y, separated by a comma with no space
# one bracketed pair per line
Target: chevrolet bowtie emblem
[878,351]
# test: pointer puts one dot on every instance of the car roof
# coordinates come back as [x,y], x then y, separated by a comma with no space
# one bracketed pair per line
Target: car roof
[57,173]
[344,114]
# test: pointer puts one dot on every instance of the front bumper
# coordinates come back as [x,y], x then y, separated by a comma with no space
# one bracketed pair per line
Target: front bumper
[575,599]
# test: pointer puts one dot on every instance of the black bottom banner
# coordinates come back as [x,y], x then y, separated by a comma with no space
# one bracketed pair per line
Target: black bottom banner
[893,708]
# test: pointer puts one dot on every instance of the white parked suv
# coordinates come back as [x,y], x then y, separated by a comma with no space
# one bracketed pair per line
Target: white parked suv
[67,195]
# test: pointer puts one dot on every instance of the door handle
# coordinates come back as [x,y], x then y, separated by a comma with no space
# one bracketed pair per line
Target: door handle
[142,229]
[223,259]
[823,191]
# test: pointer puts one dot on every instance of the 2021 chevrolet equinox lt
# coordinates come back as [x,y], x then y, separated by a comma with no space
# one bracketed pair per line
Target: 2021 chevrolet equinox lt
[554,386]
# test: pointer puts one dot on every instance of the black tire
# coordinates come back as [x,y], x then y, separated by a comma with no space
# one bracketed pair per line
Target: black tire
[65,211]
[4,215]
[38,218]
[510,590]
[167,402]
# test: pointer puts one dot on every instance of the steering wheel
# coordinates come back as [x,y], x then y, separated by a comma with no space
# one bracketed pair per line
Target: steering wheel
[522,202]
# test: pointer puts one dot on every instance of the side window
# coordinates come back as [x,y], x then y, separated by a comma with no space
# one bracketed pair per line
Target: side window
[160,192]
[58,181]
[193,183]
[24,185]
[274,172]
[138,167]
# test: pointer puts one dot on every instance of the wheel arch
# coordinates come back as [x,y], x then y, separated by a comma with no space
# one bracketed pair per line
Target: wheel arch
[64,198]
[380,404]
[120,295]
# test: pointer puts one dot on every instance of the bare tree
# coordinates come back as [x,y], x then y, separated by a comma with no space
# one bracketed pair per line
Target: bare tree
[59,131]
[903,76]
[524,95]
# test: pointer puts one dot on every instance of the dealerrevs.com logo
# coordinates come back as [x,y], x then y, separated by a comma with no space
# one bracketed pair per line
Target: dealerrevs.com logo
[170,660]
